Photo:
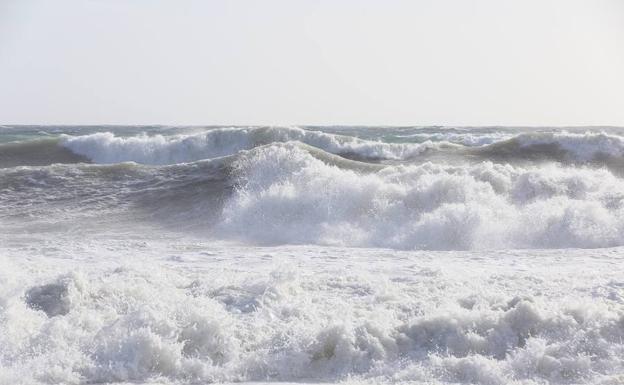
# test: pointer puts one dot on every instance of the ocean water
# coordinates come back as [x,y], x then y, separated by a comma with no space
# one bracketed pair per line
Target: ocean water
[364,255]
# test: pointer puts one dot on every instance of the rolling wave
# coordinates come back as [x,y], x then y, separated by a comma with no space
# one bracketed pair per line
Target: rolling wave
[597,148]
[570,147]
[290,193]
[159,150]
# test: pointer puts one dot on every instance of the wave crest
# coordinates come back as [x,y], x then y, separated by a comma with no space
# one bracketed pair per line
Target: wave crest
[599,148]
[159,150]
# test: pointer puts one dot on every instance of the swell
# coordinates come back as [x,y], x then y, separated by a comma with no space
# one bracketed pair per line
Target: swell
[596,148]
[108,148]
[115,197]
[37,152]
[558,146]
[295,194]
[159,149]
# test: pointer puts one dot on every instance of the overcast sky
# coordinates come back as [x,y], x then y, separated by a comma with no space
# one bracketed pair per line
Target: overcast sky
[389,62]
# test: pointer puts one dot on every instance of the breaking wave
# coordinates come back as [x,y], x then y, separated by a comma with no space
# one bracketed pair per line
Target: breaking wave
[285,195]
[158,149]
[292,193]
[599,148]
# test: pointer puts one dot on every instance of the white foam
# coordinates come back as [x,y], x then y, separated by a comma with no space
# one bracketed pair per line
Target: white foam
[466,138]
[312,314]
[285,195]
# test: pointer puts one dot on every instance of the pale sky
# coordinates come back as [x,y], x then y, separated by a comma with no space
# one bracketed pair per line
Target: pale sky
[336,62]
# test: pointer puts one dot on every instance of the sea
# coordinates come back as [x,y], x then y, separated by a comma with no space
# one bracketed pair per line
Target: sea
[352,255]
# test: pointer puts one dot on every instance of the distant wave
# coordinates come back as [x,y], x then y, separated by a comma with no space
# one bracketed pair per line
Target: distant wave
[559,146]
[158,149]
[106,147]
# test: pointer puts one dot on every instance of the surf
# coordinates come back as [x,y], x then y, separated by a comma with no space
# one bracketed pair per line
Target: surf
[292,193]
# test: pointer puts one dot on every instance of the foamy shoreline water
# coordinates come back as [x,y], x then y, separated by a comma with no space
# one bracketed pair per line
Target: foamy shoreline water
[189,312]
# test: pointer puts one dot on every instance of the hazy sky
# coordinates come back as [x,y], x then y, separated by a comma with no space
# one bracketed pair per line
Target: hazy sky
[413,62]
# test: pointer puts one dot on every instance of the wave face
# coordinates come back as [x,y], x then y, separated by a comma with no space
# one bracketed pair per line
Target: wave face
[269,186]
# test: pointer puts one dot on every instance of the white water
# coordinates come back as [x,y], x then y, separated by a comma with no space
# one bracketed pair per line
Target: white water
[288,196]
[181,311]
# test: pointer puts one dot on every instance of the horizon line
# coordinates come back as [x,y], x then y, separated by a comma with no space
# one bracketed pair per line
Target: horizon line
[214,125]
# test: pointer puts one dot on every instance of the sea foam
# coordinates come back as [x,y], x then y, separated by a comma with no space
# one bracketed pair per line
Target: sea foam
[286,195]
[295,315]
